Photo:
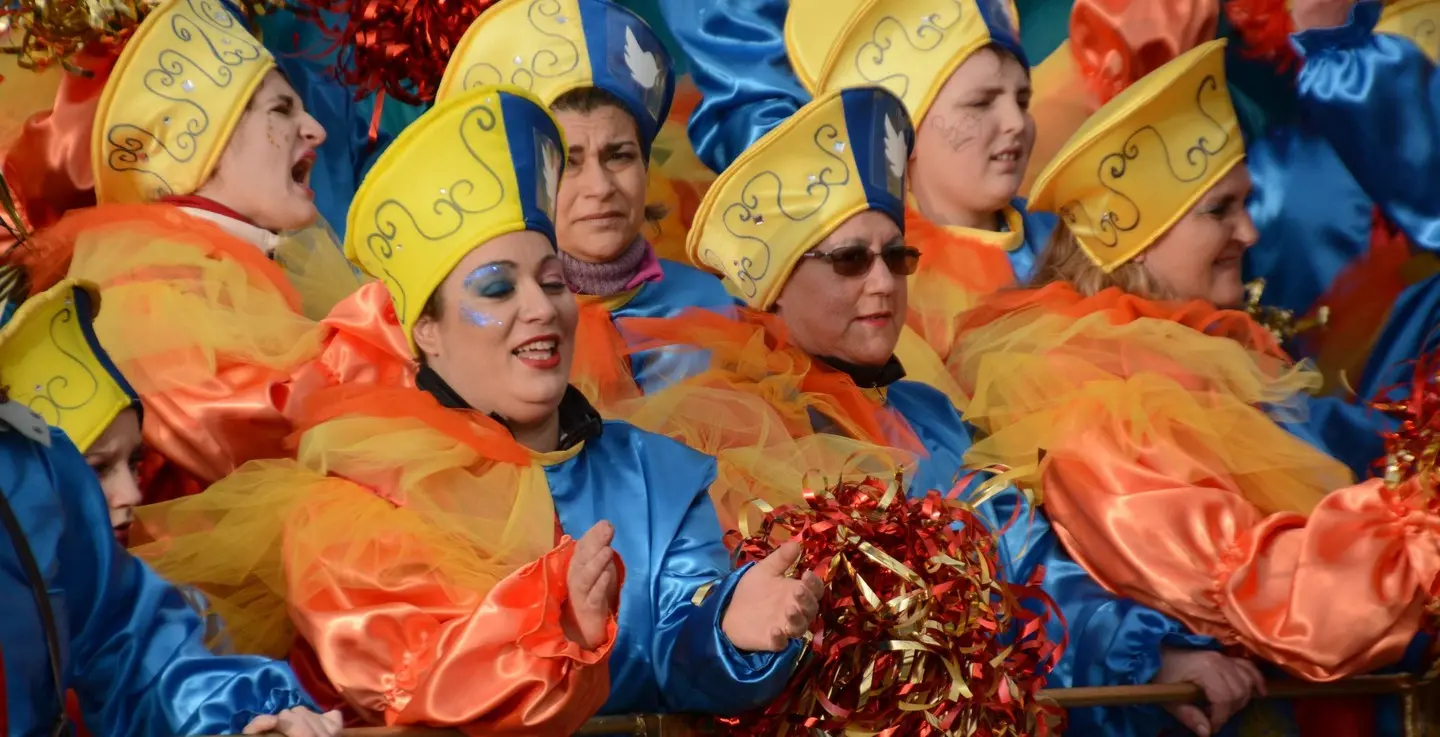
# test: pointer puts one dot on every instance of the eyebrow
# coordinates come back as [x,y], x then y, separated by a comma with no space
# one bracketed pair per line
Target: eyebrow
[612,147]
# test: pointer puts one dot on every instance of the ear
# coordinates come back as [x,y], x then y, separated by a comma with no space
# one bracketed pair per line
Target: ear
[427,336]
[1139,258]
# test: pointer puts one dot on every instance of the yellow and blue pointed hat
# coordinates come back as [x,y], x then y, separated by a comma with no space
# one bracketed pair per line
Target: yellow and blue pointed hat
[471,169]
[551,47]
[840,155]
[1144,158]
[53,364]
[172,101]
[909,47]
[1417,20]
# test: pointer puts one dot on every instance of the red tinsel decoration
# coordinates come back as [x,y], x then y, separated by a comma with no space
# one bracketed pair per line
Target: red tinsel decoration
[1265,27]
[396,47]
[917,633]
[1412,449]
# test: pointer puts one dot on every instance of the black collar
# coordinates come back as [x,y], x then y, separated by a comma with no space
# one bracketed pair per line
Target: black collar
[868,377]
[579,421]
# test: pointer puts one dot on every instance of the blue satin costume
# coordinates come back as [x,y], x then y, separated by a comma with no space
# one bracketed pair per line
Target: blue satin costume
[670,655]
[1362,135]
[682,288]
[132,647]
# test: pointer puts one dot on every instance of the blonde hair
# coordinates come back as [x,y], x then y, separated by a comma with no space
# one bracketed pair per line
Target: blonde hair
[1064,261]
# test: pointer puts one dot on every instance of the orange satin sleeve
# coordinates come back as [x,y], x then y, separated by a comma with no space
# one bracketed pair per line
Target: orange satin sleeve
[403,649]
[1337,593]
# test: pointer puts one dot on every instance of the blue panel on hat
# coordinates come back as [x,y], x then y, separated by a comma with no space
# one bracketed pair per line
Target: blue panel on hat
[881,137]
[1002,27]
[538,156]
[628,60]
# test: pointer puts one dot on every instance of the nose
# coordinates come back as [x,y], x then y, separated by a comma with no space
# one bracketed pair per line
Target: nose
[538,307]
[879,281]
[311,130]
[1013,116]
[1246,234]
[122,493]
[595,180]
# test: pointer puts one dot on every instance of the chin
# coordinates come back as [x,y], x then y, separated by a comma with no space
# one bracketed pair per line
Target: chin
[600,248]
[295,219]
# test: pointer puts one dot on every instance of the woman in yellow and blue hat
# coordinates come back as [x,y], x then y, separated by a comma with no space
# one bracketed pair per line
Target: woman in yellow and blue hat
[439,521]
[118,636]
[1141,407]
[610,82]
[965,79]
[809,226]
[200,152]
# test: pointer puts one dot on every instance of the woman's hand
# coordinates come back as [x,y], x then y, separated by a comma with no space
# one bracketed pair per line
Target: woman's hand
[592,583]
[1309,14]
[297,722]
[768,607]
[1228,684]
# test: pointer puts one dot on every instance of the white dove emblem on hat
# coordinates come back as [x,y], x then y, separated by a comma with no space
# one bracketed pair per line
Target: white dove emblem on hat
[550,170]
[644,68]
[894,149]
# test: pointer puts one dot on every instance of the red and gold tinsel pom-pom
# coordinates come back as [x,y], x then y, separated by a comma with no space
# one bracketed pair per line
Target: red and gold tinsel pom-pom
[46,32]
[396,47]
[1411,451]
[918,634]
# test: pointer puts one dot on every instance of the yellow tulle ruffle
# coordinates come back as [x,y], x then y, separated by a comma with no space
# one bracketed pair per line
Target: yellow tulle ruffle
[443,495]
[758,411]
[1186,379]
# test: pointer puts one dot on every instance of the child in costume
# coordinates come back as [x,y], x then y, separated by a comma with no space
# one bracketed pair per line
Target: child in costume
[82,614]
[610,82]
[438,521]
[809,225]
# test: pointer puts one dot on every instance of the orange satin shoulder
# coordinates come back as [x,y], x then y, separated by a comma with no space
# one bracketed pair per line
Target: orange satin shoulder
[1116,42]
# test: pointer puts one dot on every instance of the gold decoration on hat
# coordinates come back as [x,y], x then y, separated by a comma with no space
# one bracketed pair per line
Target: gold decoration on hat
[53,364]
[173,100]
[910,47]
[1142,161]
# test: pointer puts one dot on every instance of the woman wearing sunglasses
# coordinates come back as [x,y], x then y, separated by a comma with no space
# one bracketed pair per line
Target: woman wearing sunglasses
[808,225]
[966,82]
[423,542]
[611,90]
[1123,389]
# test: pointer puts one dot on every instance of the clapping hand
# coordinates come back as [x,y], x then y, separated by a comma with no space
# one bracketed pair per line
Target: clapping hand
[297,722]
[768,607]
[592,583]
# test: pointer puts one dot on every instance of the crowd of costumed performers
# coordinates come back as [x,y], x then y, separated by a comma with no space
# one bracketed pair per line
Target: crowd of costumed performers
[946,387]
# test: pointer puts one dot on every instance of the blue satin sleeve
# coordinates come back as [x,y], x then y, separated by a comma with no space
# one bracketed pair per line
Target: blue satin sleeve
[1038,227]
[137,660]
[738,61]
[697,667]
[1376,98]
[1313,217]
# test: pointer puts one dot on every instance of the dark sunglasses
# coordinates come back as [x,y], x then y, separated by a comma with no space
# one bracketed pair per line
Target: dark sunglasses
[856,260]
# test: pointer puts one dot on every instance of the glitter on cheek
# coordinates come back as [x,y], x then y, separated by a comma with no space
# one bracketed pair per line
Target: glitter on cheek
[480,319]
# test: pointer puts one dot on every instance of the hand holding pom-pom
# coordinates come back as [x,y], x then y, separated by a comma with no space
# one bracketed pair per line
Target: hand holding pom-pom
[916,633]
[769,607]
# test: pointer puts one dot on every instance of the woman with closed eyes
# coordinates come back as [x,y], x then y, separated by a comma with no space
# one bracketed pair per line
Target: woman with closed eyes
[1127,389]
[418,560]
[610,82]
